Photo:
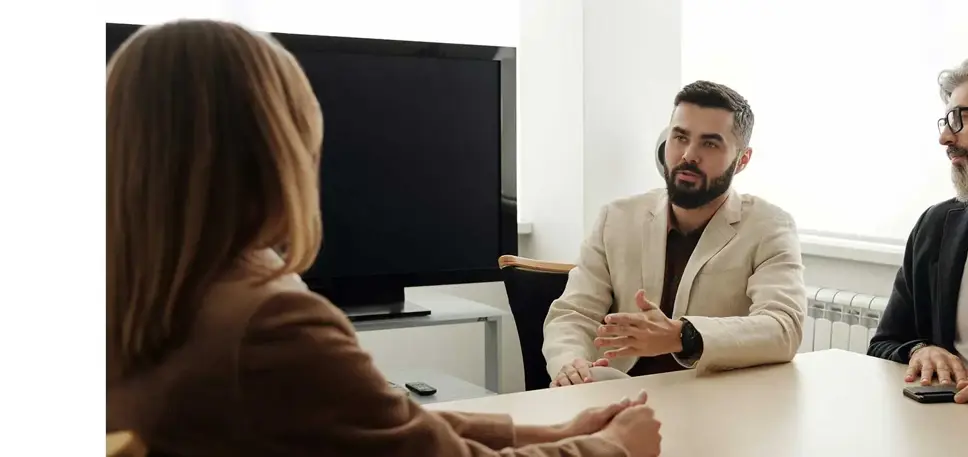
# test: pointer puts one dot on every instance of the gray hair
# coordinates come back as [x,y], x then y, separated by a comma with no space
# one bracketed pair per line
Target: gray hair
[951,78]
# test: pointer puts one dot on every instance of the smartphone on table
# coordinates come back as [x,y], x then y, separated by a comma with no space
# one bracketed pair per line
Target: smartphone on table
[931,394]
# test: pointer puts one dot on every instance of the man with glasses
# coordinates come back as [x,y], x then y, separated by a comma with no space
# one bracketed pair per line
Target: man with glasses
[925,324]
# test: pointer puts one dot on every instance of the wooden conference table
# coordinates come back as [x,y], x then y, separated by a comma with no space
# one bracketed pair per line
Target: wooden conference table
[824,404]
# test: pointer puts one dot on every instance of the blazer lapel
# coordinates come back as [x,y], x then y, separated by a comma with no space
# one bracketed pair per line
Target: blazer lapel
[718,232]
[654,233]
[951,265]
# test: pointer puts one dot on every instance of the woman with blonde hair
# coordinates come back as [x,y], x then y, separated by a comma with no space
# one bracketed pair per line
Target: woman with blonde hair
[215,347]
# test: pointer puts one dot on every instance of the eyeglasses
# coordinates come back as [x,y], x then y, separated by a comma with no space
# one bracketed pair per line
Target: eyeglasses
[953,120]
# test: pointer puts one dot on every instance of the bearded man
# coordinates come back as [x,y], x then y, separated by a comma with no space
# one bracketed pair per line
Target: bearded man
[694,275]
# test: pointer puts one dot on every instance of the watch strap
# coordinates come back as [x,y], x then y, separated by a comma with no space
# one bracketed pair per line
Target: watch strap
[691,340]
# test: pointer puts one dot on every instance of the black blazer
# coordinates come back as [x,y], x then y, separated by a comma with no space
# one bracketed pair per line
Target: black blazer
[925,297]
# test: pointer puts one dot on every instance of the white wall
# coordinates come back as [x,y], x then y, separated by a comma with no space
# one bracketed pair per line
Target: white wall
[631,75]
[862,277]
[492,22]
[550,84]
[149,11]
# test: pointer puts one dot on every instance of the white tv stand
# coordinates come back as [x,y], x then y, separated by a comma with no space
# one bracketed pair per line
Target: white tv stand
[451,310]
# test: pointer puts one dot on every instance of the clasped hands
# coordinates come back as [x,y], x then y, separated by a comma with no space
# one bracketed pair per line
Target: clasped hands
[630,424]
[645,334]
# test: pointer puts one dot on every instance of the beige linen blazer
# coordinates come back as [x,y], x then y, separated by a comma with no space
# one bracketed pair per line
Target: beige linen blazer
[742,288]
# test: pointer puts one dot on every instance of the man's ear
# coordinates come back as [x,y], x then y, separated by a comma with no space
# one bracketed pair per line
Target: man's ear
[744,159]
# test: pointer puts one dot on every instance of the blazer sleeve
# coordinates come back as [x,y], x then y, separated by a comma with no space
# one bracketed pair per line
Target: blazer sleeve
[307,389]
[773,330]
[569,328]
[896,333]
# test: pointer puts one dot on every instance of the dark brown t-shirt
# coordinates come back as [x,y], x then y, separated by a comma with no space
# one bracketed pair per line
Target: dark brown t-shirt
[679,247]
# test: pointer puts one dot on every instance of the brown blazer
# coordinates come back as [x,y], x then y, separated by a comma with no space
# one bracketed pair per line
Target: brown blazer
[276,370]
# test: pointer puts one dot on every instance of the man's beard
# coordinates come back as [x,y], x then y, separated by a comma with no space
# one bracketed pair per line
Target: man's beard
[695,195]
[959,173]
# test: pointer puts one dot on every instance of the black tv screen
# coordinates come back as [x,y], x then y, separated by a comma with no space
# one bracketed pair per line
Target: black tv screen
[410,174]
[417,166]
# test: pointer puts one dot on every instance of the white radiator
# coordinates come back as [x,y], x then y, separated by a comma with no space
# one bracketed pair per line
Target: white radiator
[840,319]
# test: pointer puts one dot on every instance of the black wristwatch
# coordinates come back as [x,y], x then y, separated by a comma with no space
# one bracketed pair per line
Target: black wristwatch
[691,341]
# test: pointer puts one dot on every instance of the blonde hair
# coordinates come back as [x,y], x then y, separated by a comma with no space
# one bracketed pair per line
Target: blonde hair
[213,143]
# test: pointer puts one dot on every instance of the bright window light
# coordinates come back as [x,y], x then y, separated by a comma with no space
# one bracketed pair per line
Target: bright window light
[846,102]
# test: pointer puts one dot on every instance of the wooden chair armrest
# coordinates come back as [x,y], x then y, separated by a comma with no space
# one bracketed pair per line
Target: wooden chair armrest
[541,266]
[125,444]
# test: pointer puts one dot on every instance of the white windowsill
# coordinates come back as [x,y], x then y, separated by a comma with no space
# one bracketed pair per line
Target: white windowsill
[824,246]
[858,251]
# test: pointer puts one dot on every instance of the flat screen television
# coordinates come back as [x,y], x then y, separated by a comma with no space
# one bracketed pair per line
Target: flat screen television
[418,171]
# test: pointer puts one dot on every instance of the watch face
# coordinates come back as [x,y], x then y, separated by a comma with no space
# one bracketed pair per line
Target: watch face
[687,328]
[691,340]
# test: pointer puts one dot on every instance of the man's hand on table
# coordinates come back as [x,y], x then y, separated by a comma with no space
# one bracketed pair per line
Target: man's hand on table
[929,361]
[962,395]
[577,372]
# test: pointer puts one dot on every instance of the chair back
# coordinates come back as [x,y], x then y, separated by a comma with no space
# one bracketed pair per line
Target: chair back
[660,152]
[531,286]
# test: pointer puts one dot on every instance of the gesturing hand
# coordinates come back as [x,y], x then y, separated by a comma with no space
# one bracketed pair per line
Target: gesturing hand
[931,360]
[577,372]
[645,334]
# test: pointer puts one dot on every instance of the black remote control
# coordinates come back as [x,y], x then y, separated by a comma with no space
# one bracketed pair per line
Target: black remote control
[421,388]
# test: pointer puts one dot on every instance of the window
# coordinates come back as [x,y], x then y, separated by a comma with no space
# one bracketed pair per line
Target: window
[846,102]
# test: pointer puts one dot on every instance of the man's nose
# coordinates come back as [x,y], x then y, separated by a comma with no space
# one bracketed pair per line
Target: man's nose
[691,154]
[946,138]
